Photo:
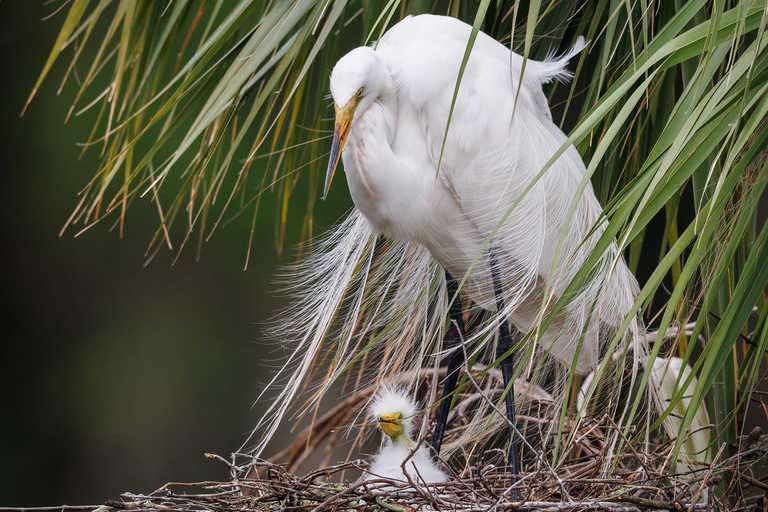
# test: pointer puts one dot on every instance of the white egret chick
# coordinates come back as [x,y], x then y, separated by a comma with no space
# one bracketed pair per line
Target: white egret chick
[393,409]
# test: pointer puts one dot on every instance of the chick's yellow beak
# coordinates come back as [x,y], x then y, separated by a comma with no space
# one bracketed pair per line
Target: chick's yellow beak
[344,117]
[392,424]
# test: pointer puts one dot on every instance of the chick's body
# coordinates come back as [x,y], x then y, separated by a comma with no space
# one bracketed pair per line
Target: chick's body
[394,410]
[388,463]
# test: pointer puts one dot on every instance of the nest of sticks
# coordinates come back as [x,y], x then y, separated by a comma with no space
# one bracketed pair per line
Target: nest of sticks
[640,479]
[736,480]
[732,484]
[727,485]
[638,482]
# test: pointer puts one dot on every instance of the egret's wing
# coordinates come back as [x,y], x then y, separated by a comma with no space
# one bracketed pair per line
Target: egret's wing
[500,137]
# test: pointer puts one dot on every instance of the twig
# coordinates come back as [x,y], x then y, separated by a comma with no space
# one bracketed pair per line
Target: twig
[383,504]
[61,508]
[703,484]
[310,477]
[417,487]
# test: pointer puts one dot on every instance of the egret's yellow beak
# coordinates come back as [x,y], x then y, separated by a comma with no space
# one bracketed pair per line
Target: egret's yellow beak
[392,424]
[344,117]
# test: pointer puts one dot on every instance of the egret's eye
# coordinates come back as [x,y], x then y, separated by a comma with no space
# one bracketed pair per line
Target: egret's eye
[399,416]
[360,93]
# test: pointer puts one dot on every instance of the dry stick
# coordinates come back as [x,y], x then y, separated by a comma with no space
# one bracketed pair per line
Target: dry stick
[508,490]
[588,432]
[456,477]
[347,491]
[431,496]
[310,477]
[416,487]
[706,477]
[234,469]
[334,505]
[61,508]
[753,481]
[173,497]
[387,506]
[710,501]
[484,482]
[656,504]
[465,367]
[628,443]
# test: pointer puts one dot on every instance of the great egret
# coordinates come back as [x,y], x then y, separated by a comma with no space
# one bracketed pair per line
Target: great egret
[437,196]
[393,409]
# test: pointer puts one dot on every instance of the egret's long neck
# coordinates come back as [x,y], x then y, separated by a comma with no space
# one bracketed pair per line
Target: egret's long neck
[382,186]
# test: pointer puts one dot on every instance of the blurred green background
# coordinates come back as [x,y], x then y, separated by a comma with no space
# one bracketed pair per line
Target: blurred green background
[115,376]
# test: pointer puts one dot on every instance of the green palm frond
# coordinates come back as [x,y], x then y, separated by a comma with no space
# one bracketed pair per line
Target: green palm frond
[205,105]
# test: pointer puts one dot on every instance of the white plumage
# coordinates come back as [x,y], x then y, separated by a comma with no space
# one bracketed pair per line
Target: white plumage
[388,462]
[393,101]
[671,374]
[494,149]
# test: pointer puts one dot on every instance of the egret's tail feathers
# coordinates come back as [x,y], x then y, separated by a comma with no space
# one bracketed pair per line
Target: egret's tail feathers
[554,67]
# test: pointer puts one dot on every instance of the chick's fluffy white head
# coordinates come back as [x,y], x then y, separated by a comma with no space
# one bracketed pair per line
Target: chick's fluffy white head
[359,70]
[391,399]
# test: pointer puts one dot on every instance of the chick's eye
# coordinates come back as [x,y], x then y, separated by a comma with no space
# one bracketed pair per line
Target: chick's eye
[360,93]
[399,416]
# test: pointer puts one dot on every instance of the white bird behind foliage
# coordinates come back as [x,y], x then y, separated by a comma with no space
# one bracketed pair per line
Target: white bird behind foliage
[672,374]
[381,303]
[388,462]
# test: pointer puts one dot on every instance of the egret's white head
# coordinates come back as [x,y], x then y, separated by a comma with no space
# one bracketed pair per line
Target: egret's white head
[356,81]
[359,75]
[394,409]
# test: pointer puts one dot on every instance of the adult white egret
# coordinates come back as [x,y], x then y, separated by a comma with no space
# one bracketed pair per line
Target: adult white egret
[394,410]
[392,103]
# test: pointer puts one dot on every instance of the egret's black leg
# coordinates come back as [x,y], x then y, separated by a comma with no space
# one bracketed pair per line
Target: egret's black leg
[507,340]
[453,339]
